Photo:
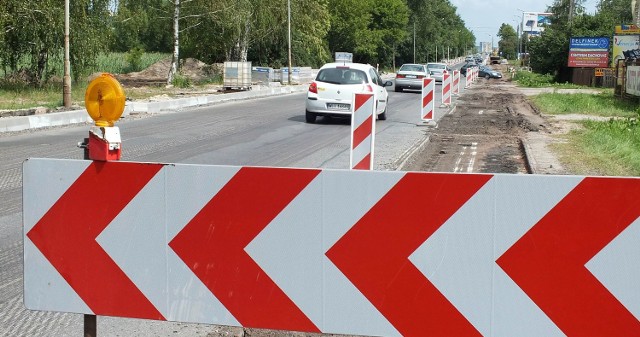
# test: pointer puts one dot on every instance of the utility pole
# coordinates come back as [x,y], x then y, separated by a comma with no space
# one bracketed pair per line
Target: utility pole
[414,41]
[66,79]
[635,8]
[289,37]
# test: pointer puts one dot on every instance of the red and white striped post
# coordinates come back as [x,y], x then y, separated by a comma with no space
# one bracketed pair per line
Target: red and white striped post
[468,76]
[363,130]
[427,111]
[446,89]
[456,82]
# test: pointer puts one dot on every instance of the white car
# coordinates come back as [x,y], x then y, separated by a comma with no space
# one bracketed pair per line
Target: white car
[410,76]
[331,93]
[437,70]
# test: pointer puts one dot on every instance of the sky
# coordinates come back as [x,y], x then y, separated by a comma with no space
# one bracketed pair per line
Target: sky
[484,17]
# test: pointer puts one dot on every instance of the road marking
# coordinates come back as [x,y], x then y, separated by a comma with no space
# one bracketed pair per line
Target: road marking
[459,167]
[480,112]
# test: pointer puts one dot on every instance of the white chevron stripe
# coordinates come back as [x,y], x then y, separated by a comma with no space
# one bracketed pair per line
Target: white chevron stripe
[460,257]
[137,240]
[44,182]
[617,267]
[291,250]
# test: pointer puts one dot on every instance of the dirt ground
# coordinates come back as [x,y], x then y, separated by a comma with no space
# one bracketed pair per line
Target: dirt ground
[488,131]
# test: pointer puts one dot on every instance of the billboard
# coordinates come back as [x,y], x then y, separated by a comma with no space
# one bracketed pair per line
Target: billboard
[589,52]
[533,23]
[624,44]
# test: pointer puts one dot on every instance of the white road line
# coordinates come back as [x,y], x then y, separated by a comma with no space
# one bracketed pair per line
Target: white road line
[480,112]
[472,160]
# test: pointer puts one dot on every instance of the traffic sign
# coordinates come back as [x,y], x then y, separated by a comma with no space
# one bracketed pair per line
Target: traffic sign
[334,251]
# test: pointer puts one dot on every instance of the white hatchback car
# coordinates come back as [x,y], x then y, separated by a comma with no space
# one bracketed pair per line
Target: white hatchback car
[331,93]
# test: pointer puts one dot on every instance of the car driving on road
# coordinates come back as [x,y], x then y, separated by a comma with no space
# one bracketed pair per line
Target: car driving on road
[437,70]
[331,93]
[410,76]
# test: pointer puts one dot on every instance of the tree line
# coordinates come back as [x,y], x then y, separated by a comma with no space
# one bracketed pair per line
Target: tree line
[381,32]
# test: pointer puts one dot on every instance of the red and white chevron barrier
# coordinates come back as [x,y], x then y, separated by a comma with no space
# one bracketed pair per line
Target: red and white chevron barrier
[428,106]
[456,83]
[468,77]
[363,130]
[446,89]
[334,251]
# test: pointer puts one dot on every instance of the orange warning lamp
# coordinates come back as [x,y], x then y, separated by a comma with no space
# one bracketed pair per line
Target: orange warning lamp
[104,100]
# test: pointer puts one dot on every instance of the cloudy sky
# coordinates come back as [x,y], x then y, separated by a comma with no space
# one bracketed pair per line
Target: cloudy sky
[484,17]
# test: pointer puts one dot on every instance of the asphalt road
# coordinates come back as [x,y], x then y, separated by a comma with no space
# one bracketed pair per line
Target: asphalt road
[264,132]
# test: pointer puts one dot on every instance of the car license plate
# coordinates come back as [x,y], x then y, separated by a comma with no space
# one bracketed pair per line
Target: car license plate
[411,76]
[339,106]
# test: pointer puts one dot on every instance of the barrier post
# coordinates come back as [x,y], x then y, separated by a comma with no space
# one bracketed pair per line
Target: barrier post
[427,111]
[363,130]
[446,89]
[456,82]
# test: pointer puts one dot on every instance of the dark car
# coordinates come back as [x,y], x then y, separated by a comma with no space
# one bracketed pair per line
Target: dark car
[487,73]
[466,66]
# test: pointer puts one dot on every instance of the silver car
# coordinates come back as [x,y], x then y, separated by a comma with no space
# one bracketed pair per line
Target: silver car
[410,76]
[437,70]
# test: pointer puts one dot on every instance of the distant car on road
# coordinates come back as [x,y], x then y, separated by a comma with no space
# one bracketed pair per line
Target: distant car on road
[437,70]
[410,76]
[487,73]
[331,93]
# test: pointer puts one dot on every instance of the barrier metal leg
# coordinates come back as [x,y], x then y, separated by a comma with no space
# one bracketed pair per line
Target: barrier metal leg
[90,324]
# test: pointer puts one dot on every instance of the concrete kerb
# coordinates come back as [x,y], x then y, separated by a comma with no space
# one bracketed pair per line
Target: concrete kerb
[20,123]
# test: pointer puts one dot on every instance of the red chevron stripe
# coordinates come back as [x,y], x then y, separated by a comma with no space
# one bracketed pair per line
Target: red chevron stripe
[66,236]
[212,245]
[548,263]
[374,253]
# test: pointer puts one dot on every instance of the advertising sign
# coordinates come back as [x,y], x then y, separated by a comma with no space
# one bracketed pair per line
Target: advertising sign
[588,59]
[627,29]
[589,43]
[533,23]
[588,52]
[622,44]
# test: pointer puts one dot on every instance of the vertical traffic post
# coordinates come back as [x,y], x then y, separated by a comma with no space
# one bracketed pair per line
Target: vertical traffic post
[456,83]
[363,130]
[468,75]
[427,110]
[104,101]
[446,89]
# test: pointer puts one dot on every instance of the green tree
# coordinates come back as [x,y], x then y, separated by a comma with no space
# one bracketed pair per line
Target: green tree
[508,44]
[90,26]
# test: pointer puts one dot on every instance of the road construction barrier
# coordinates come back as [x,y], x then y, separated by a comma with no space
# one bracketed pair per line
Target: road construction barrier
[456,82]
[428,88]
[446,89]
[363,124]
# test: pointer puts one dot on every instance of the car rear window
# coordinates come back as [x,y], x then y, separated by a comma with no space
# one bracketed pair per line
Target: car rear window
[436,66]
[342,76]
[411,67]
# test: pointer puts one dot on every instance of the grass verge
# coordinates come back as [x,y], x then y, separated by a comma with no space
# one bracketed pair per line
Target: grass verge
[604,104]
[602,148]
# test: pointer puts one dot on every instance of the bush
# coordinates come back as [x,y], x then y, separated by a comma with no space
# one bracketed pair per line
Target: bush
[181,81]
[533,80]
[134,59]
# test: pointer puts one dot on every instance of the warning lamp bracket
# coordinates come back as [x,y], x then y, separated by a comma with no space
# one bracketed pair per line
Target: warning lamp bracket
[105,143]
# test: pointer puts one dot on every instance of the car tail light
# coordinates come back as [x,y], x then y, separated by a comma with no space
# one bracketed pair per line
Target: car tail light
[368,88]
[399,76]
[313,87]
[420,76]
